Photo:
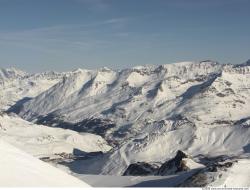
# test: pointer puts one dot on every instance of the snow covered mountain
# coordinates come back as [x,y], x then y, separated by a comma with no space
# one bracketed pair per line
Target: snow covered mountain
[126,99]
[18,86]
[10,74]
[147,114]
[118,104]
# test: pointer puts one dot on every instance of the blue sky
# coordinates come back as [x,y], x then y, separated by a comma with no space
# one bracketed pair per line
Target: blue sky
[38,35]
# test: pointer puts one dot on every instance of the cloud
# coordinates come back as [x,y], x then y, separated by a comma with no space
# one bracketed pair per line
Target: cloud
[115,20]
[84,37]
[197,4]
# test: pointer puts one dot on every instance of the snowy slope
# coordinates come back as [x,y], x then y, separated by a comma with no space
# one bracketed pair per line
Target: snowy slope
[132,181]
[206,93]
[19,169]
[238,175]
[128,98]
[9,74]
[18,86]
[43,141]
[145,147]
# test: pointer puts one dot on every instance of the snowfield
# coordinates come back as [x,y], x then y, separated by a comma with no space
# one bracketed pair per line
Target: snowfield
[18,86]
[43,141]
[238,175]
[134,122]
[18,169]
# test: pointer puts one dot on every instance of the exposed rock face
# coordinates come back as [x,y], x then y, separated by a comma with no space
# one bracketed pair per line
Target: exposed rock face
[141,169]
[177,164]
[215,166]
[207,176]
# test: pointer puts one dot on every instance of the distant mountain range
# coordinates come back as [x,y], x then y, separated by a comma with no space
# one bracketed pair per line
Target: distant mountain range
[146,118]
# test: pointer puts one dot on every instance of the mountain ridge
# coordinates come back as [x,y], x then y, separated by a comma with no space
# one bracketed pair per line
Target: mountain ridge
[201,108]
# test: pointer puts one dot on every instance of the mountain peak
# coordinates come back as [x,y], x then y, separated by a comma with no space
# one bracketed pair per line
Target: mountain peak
[247,63]
[11,73]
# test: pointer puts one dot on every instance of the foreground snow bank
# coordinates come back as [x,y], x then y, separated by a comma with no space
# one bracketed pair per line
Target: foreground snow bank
[238,175]
[18,169]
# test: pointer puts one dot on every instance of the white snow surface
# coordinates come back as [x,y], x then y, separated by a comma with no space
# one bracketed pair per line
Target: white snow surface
[16,85]
[160,147]
[125,96]
[19,169]
[238,175]
[10,73]
[40,140]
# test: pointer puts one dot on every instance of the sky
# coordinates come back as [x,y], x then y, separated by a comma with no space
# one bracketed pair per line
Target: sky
[61,35]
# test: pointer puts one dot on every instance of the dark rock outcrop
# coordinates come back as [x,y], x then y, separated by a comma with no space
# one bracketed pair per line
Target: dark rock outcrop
[141,169]
[177,164]
[214,167]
